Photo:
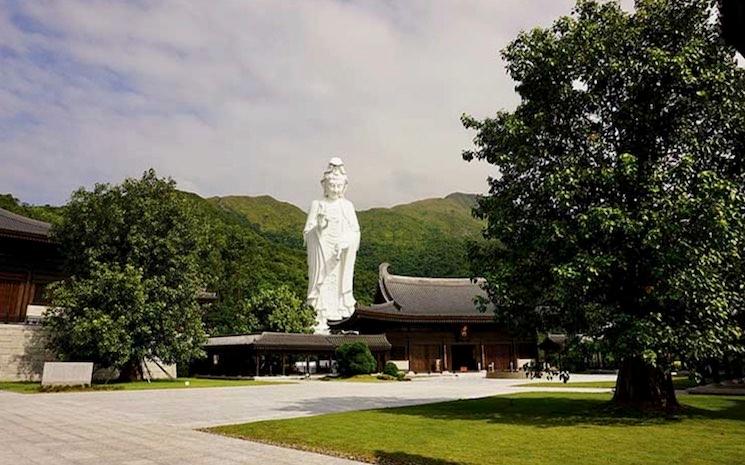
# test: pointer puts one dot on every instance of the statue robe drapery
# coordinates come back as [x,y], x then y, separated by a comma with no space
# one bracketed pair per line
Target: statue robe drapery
[324,256]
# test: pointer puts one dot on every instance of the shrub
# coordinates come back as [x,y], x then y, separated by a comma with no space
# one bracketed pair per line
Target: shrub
[401,376]
[390,369]
[355,358]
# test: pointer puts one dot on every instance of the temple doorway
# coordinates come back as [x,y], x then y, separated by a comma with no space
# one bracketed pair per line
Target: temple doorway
[465,357]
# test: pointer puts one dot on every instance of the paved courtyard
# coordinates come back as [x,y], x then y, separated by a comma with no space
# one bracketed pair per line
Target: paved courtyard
[158,427]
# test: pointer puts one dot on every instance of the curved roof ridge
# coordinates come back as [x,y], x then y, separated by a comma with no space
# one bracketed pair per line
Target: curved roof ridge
[386,275]
[383,274]
[21,227]
[24,219]
[435,297]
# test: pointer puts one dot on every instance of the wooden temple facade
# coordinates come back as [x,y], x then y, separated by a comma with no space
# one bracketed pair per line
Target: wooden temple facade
[29,260]
[433,325]
[271,353]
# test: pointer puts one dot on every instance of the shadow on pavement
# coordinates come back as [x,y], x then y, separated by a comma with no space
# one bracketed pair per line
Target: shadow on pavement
[346,403]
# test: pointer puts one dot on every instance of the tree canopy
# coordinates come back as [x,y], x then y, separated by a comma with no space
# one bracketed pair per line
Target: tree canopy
[130,252]
[619,210]
[266,309]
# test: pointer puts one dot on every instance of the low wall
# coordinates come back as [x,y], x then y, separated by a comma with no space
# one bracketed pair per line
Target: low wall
[22,356]
[22,353]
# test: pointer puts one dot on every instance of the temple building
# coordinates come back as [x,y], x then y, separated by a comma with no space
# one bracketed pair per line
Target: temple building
[433,325]
[29,260]
[424,325]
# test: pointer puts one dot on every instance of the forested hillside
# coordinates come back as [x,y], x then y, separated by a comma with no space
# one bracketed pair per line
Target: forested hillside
[249,242]
[423,238]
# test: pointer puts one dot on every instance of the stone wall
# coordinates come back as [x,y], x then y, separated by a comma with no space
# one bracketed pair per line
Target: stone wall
[22,356]
[22,353]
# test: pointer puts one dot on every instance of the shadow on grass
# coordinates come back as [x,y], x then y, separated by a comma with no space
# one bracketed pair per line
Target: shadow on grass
[542,410]
[402,458]
[548,411]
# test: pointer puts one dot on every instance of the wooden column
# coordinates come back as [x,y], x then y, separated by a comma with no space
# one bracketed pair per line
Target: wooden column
[408,350]
[513,355]
[483,356]
[257,363]
[444,357]
[284,363]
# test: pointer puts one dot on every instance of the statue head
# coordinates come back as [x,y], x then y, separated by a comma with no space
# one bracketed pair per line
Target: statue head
[334,179]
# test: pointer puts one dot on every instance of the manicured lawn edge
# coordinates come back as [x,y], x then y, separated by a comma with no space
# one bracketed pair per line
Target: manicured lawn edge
[26,387]
[680,382]
[361,379]
[293,446]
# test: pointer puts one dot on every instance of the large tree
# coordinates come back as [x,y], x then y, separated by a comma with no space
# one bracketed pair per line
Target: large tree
[131,253]
[618,211]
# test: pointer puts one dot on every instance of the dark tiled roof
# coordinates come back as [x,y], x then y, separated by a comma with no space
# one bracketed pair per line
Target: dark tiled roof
[239,340]
[430,296]
[296,341]
[431,300]
[17,226]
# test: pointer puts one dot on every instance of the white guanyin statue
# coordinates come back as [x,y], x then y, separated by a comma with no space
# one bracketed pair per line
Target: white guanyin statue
[332,237]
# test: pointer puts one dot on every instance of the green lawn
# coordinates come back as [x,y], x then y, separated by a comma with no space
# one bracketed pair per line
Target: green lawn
[23,387]
[680,382]
[31,388]
[358,379]
[538,428]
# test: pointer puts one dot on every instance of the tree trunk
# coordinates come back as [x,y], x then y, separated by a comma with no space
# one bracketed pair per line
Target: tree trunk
[644,386]
[131,371]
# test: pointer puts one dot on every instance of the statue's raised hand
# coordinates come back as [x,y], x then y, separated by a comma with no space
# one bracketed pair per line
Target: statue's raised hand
[321,220]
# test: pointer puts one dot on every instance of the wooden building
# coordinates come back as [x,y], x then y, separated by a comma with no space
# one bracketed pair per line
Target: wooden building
[29,260]
[433,325]
[271,353]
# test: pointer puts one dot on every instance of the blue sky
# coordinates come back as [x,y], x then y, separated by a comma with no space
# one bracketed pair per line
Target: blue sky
[253,97]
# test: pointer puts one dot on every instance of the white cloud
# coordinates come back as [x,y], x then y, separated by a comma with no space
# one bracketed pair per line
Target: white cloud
[239,97]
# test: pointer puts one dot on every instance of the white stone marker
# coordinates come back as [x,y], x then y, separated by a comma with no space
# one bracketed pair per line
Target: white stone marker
[67,374]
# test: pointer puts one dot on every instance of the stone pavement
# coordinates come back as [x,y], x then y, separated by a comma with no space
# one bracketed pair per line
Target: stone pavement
[157,427]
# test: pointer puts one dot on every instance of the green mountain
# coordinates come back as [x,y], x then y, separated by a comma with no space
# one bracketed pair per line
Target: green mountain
[423,238]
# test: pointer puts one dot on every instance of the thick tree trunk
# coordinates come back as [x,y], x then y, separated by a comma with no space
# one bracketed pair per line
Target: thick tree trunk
[643,386]
[131,371]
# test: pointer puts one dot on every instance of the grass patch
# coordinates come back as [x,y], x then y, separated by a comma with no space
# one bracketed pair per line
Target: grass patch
[25,387]
[538,428]
[21,387]
[680,382]
[358,379]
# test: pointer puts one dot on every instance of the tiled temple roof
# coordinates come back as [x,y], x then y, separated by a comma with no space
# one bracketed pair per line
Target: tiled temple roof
[297,341]
[415,299]
[21,227]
